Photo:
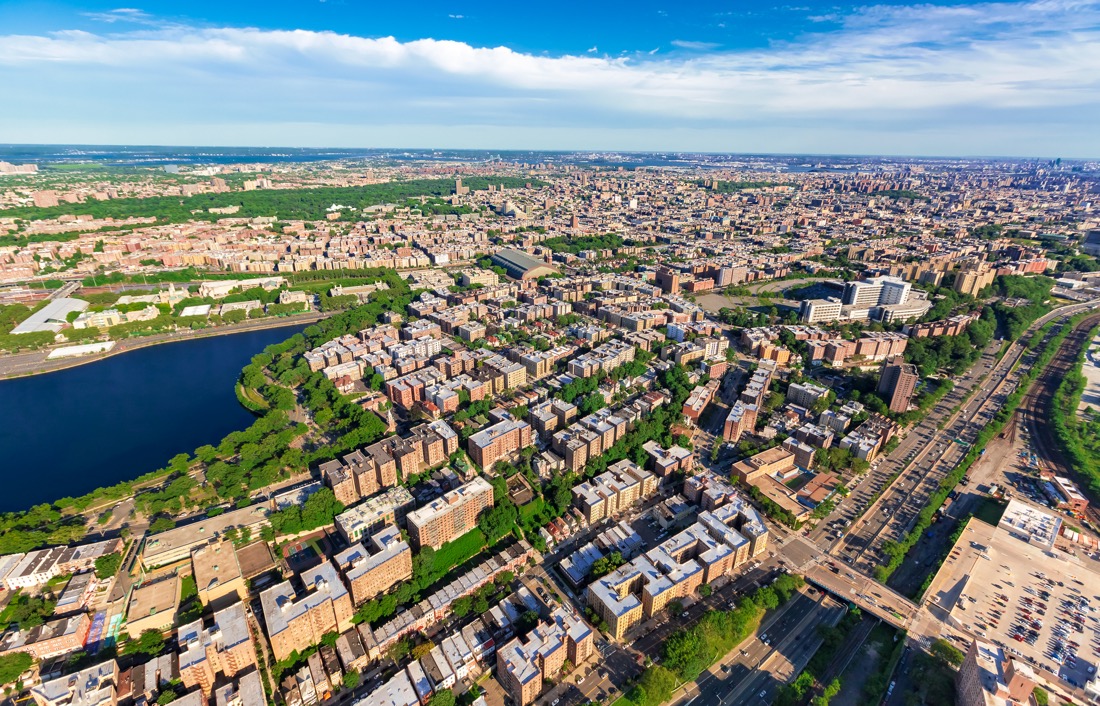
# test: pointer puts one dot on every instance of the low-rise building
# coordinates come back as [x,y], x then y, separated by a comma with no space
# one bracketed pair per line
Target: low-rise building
[177,544]
[153,606]
[51,639]
[218,574]
[91,686]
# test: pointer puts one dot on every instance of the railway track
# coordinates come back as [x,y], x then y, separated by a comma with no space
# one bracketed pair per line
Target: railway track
[1040,398]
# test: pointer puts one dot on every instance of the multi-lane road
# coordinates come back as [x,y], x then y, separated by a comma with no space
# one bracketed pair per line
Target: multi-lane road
[928,453]
[751,673]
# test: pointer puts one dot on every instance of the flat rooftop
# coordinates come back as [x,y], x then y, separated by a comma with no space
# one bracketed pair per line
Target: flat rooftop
[153,599]
[1036,603]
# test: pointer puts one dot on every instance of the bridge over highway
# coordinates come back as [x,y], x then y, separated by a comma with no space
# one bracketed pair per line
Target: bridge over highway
[861,590]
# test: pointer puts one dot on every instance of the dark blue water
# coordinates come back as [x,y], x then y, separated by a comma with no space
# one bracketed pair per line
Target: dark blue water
[69,432]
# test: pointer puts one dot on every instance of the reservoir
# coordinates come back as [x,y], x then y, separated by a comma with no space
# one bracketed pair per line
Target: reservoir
[66,433]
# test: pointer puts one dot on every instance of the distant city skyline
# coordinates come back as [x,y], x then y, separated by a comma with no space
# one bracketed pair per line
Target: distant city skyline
[940,79]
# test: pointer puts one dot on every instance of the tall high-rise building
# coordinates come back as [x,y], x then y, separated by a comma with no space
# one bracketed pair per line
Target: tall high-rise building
[898,381]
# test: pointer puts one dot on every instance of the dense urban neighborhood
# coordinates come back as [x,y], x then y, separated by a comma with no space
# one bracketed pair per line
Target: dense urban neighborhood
[572,430]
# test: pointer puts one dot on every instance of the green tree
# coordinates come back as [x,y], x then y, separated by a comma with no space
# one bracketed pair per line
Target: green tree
[12,665]
[946,652]
[107,566]
[161,524]
[150,643]
[352,678]
[443,697]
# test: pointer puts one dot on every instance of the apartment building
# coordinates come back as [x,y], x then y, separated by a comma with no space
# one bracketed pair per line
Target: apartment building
[699,398]
[974,278]
[602,359]
[297,619]
[551,415]
[523,664]
[370,573]
[990,677]
[450,516]
[667,461]
[741,419]
[499,442]
[719,542]
[805,394]
[898,381]
[364,472]
[611,492]
[374,513]
[248,690]
[224,648]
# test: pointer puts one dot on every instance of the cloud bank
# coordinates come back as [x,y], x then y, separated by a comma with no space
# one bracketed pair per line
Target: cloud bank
[990,78]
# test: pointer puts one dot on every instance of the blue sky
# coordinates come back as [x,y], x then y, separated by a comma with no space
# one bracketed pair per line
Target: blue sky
[952,78]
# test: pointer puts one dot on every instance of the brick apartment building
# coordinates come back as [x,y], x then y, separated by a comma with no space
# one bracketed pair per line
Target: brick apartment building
[501,441]
[296,620]
[450,516]
[225,648]
[524,663]
[374,572]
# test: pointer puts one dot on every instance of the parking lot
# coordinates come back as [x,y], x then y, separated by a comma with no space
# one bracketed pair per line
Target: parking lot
[1043,607]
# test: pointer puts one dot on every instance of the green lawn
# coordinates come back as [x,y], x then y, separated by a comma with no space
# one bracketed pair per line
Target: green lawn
[459,551]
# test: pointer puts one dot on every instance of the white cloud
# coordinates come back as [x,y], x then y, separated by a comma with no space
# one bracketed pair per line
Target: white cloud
[128,15]
[695,46]
[969,75]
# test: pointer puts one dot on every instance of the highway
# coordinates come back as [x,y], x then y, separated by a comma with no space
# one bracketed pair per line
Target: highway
[784,644]
[927,454]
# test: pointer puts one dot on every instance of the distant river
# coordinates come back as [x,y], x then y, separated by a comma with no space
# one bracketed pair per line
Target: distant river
[68,432]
